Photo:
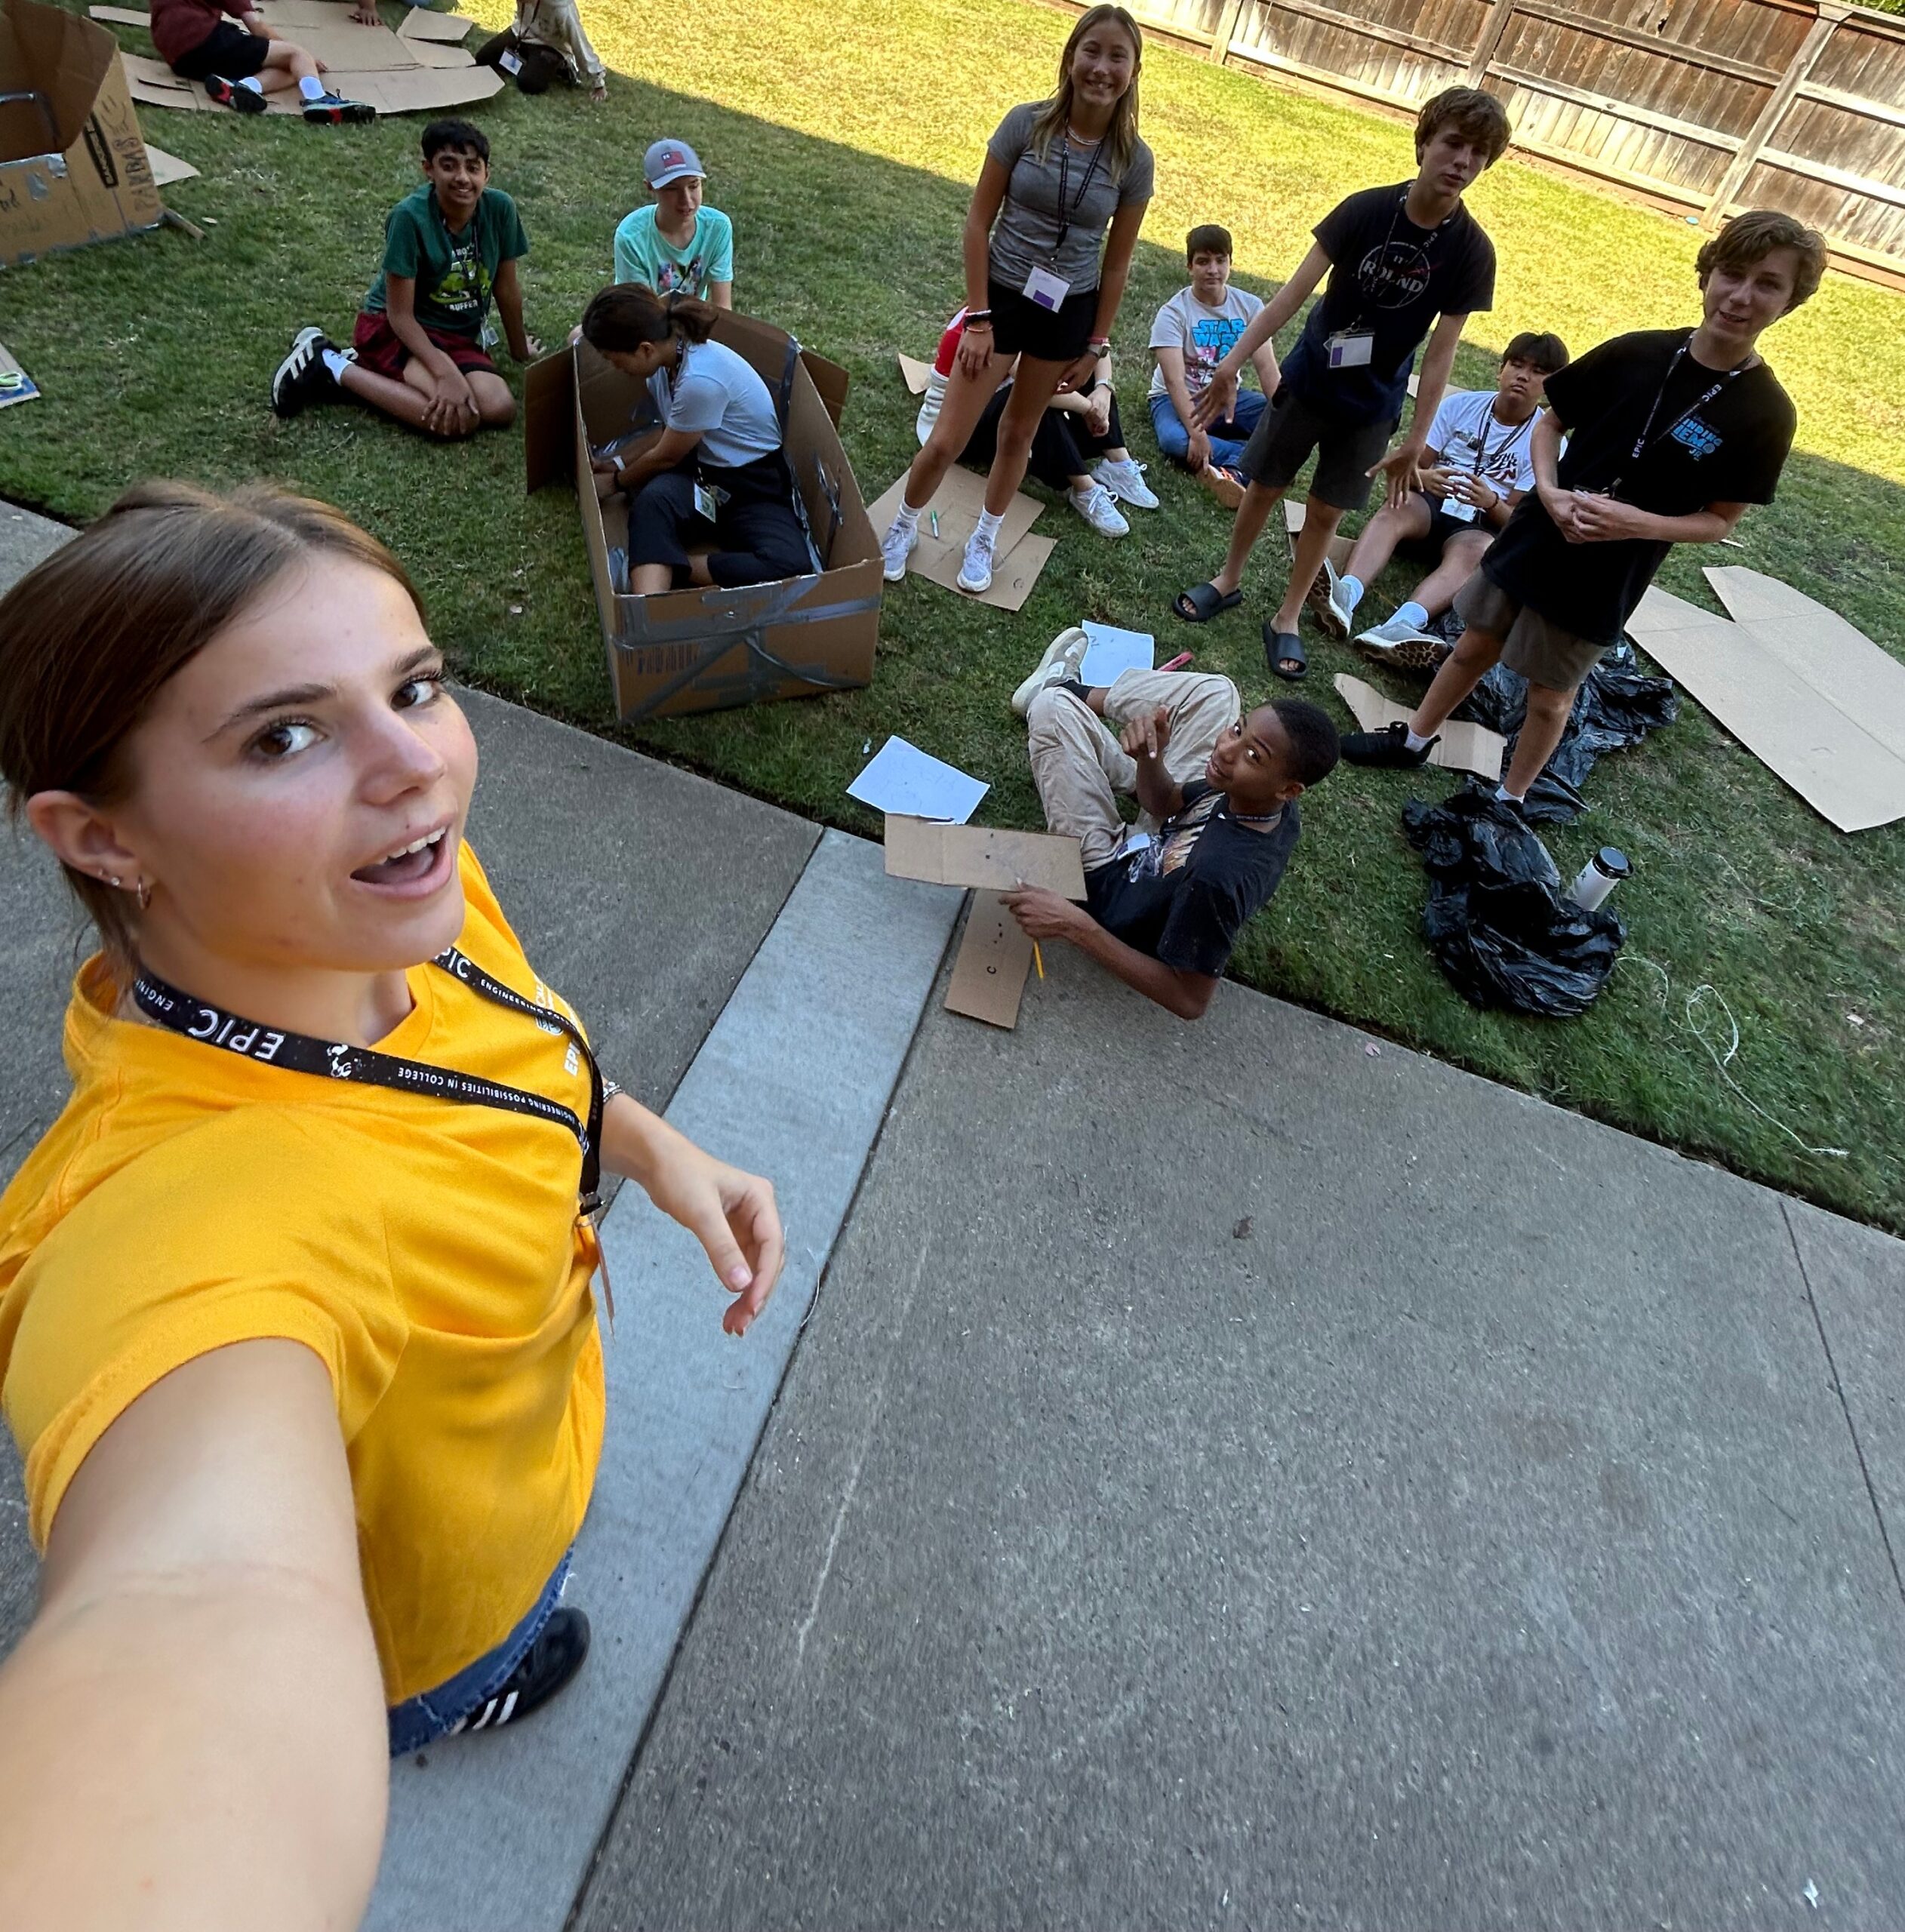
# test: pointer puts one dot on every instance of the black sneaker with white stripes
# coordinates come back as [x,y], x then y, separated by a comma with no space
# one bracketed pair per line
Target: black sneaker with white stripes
[304,377]
[555,1657]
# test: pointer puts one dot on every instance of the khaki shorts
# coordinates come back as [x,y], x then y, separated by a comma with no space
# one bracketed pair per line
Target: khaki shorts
[1531,646]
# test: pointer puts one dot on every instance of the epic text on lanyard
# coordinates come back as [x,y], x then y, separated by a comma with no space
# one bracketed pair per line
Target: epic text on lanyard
[1648,439]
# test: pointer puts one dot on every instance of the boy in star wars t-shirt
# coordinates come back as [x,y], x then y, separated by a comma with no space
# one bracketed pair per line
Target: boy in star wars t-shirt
[1671,434]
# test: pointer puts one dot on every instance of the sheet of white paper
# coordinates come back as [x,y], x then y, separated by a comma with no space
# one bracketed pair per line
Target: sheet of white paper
[1113,651]
[902,778]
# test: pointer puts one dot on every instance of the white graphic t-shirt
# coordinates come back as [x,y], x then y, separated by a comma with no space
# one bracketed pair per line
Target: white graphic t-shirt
[1467,433]
[1206,335]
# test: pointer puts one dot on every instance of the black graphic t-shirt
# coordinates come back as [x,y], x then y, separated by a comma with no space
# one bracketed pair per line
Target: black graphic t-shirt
[1393,279]
[1713,437]
[1185,897]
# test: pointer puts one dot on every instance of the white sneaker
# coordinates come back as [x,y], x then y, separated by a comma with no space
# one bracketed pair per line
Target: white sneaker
[1098,510]
[896,546]
[1396,641]
[1063,655]
[1125,480]
[1337,614]
[976,573]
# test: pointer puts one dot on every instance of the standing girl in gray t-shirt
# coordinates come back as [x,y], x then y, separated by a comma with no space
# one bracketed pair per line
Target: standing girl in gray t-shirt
[1043,280]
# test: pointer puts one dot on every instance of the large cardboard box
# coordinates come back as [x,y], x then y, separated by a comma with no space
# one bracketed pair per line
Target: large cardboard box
[72,162]
[688,650]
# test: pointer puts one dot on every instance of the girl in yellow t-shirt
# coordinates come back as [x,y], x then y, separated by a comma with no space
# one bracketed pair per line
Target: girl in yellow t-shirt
[297,1328]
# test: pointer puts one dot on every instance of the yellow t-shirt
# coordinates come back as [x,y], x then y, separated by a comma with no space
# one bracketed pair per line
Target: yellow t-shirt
[428,1251]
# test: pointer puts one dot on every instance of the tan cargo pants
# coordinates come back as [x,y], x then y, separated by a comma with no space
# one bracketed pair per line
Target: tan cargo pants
[1080,768]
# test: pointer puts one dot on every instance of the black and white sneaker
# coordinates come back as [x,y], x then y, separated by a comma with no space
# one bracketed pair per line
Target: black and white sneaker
[555,1657]
[230,94]
[330,109]
[1388,748]
[304,377]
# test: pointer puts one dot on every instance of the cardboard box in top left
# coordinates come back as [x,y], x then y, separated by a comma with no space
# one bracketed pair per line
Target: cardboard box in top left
[72,162]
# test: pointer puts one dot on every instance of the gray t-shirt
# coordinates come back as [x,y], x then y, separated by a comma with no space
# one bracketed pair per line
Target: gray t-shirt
[1026,236]
[717,395]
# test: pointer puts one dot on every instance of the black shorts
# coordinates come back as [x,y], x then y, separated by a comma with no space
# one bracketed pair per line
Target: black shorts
[1428,548]
[1289,430]
[757,536]
[228,51]
[1021,327]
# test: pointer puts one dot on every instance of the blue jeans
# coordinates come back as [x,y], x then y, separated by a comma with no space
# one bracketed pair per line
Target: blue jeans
[1227,438]
[423,1719]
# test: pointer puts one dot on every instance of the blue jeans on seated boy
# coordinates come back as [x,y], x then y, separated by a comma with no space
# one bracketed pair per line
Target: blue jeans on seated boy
[1227,437]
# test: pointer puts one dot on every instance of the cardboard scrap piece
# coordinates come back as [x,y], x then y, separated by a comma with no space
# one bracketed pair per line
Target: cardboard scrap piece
[167,168]
[1840,768]
[439,53]
[915,373]
[982,855]
[1462,747]
[1293,521]
[1018,557]
[421,24]
[1833,655]
[26,390]
[995,956]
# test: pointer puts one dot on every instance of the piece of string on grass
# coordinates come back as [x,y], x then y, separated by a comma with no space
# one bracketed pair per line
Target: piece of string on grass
[1698,1005]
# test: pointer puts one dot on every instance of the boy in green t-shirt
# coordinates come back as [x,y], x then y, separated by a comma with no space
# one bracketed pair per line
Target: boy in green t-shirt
[420,350]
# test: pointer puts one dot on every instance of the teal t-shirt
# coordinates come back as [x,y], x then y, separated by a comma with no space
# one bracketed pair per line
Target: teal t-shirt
[643,253]
[455,275]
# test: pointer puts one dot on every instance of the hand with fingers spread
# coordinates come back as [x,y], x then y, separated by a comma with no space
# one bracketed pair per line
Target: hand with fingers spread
[1403,469]
[1219,399]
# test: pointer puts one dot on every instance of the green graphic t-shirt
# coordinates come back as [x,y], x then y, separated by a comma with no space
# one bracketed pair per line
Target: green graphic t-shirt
[455,275]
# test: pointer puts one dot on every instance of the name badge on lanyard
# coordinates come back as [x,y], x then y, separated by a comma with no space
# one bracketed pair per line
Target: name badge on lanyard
[1458,511]
[1048,290]
[1350,349]
[706,502]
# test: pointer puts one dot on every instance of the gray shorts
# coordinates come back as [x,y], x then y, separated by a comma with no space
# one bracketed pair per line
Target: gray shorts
[1538,649]
[1289,430]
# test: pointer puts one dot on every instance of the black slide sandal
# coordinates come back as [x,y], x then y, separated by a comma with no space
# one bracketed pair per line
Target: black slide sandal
[1282,648]
[1203,602]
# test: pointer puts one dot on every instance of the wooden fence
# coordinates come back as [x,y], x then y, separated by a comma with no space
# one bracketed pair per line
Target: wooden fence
[1708,105]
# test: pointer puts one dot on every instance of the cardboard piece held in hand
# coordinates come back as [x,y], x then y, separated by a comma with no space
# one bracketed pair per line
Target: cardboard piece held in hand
[995,956]
[1017,557]
[915,373]
[1462,747]
[982,855]
[1843,771]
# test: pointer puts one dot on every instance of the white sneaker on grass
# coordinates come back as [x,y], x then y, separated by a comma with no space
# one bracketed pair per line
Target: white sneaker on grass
[1063,655]
[1125,480]
[976,572]
[1096,508]
[896,546]
[1395,641]
[1337,614]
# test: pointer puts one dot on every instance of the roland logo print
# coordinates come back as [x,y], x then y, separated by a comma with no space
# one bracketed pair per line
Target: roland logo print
[1395,274]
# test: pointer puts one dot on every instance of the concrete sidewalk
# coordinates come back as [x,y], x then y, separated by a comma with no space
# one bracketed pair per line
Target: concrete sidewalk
[1226,1477]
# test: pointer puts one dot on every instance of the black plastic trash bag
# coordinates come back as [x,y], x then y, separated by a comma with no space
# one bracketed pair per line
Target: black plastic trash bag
[1496,920]
[1616,706]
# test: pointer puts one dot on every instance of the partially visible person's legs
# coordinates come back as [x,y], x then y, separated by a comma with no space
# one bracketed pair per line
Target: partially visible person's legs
[759,538]
[1546,719]
[1079,770]
[1376,543]
[1461,558]
[1173,439]
[1033,387]
[960,410]
[285,65]
[661,513]
[1230,437]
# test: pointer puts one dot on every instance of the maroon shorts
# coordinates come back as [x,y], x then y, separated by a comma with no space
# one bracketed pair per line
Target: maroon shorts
[380,348]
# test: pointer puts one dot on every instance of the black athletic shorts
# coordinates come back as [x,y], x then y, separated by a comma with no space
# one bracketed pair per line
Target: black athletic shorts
[228,50]
[1021,327]
[1429,548]
[1289,430]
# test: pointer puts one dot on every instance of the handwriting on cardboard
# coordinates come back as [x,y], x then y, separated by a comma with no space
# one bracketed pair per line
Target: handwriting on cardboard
[983,856]
[989,975]
[902,778]
[1112,652]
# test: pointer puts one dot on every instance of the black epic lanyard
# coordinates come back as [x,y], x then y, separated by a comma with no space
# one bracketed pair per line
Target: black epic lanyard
[1646,438]
[1065,214]
[1511,433]
[336,1060]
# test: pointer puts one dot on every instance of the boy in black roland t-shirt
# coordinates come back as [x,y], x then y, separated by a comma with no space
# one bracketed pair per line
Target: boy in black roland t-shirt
[1165,899]
[1401,261]
[1672,432]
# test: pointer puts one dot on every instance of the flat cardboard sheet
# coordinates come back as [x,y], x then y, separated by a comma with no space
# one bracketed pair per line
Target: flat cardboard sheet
[901,778]
[995,956]
[421,24]
[28,389]
[915,373]
[982,855]
[1462,747]
[1848,775]
[167,168]
[1017,557]
[1293,521]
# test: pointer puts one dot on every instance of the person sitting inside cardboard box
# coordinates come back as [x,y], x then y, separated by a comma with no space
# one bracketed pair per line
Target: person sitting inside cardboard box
[238,63]
[715,476]
[1166,899]
[418,353]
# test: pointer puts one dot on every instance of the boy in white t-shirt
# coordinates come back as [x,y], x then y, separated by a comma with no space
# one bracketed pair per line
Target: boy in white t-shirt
[1189,336]
[674,245]
[1480,464]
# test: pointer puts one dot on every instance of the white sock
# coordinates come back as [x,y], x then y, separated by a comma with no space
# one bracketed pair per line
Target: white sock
[1412,613]
[1509,798]
[1417,744]
[1352,590]
[905,517]
[336,361]
[252,82]
[987,526]
[311,87]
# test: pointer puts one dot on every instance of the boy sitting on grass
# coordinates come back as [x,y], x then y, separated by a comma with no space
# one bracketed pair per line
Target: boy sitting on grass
[1165,899]
[239,65]
[449,246]
[673,244]
[1480,465]
[1190,335]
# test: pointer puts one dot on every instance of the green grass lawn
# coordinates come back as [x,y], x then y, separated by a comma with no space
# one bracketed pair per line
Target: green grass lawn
[843,141]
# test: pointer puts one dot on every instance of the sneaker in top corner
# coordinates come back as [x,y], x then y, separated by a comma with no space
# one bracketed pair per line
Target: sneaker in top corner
[229,94]
[1125,480]
[1063,655]
[303,378]
[330,109]
[896,546]
[1096,508]
[1388,748]
[976,572]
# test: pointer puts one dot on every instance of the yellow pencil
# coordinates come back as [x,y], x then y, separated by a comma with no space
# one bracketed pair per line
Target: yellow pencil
[1037,959]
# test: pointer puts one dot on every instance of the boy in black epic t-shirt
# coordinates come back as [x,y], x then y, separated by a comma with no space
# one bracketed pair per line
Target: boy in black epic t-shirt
[1401,260]
[1672,433]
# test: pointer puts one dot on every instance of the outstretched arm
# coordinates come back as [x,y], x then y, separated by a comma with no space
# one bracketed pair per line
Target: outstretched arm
[1403,465]
[192,1729]
[1044,914]
[1220,395]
